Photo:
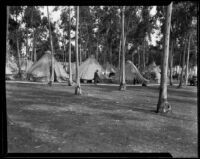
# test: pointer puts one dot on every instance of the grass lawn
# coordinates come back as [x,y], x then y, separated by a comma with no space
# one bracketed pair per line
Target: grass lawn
[103,119]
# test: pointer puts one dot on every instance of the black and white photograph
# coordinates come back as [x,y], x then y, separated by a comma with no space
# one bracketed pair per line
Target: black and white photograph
[102,79]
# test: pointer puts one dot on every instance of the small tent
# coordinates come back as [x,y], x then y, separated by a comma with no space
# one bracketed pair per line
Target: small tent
[89,67]
[40,70]
[131,74]
[108,68]
[12,66]
[11,69]
[193,71]
[153,68]
[25,65]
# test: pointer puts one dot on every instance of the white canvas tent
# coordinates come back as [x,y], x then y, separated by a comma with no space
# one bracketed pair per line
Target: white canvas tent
[12,65]
[153,68]
[108,68]
[25,65]
[40,70]
[11,69]
[89,67]
[131,74]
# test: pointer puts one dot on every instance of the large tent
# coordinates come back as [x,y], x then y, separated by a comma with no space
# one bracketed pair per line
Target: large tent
[153,68]
[11,69]
[25,65]
[131,74]
[108,68]
[89,67]
[12,65]
[40,70]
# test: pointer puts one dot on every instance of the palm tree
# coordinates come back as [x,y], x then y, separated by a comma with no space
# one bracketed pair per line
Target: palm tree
[78,87]
[123,82]
[52,60]
[163,106]
[70,67]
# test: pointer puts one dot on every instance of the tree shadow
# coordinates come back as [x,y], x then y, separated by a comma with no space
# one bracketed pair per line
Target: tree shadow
[33,95]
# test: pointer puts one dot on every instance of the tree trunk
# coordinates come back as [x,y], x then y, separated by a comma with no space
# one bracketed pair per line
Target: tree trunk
[143,56]
[138,58]
[78,87]
[97,53]
[119,64]
[80,54]
[163,106]
[19,58]
[70,67]
[187,62]
[183,64]
[111,55]
[34,47]
[171,63]
[63,41]
[147,57]
[18,52]
[123,82]
[7,33]
[27,52]
[52,52]
[31,53]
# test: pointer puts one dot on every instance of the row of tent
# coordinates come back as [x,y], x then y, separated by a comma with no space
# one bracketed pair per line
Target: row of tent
[40,70]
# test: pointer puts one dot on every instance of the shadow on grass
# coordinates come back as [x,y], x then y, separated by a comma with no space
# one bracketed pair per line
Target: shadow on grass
[40,95]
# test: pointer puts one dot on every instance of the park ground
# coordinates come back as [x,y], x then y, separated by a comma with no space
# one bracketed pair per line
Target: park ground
[102,119]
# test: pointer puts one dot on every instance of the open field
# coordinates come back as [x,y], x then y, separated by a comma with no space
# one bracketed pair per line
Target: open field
[103,119]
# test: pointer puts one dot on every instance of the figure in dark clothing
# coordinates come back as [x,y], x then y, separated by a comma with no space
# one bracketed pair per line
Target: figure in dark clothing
[96,77]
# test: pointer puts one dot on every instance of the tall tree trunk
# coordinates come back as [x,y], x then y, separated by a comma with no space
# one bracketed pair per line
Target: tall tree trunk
[97,53]
[27,50]
[139,63]
[7,33]
[63,41]
[18,52]
[34,47]
[187,62]
[183,64]
[65,54]
[171,63]
[163,106]
[9,120]
[143,56]
[52,52]
[119,64]
[70,67]
[132,57]
[31,54]
[123,82]
[104,56]
[110,54]
[78,87]
[80,54]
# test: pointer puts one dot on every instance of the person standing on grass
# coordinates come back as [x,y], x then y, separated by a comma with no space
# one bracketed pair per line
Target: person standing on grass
[96,77]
